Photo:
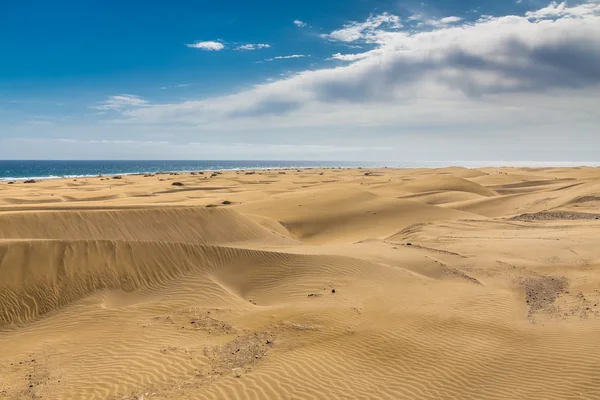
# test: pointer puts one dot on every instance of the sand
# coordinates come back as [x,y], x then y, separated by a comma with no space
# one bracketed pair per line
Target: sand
[311,284]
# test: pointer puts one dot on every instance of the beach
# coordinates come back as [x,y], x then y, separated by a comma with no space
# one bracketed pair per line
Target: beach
[362,283]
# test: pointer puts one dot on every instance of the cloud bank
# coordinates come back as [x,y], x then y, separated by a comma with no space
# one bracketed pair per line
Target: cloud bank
[533,74]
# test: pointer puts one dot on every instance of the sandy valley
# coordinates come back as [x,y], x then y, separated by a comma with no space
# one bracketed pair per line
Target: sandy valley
[303,284]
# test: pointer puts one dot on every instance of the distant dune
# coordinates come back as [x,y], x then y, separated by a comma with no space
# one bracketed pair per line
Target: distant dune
[314,284]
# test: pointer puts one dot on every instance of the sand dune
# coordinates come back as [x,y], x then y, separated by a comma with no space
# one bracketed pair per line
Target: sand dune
[345,215]
[535,198]
[441,182]
[310,284]
[186,225]
[442,197]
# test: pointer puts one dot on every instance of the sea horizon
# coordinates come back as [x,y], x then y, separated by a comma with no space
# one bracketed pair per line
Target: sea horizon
[57,169]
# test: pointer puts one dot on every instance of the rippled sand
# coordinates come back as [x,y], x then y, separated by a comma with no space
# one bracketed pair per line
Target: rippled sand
[311,284]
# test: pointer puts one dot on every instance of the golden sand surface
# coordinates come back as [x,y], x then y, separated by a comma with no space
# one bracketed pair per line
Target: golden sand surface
[303,284]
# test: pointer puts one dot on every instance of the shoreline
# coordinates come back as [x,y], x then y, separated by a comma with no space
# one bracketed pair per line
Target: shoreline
[491,164]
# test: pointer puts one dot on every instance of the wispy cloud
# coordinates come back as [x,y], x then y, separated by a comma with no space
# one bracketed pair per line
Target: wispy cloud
[370,30]
[300,24]
[174,86]
[208,45]
[251,46]
[348,57]
[300,148]
[136,142]
[441,22]
[120,102]
[287,57]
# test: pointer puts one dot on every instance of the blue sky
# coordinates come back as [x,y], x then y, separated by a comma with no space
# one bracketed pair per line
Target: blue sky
[339,80]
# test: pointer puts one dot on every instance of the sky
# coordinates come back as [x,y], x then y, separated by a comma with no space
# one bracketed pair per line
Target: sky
[350,80]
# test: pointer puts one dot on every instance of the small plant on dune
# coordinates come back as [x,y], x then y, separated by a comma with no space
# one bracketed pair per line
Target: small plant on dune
[226,203]
[211,205]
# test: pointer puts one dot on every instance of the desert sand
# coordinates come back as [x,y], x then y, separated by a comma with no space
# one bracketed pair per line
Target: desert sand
[303,284]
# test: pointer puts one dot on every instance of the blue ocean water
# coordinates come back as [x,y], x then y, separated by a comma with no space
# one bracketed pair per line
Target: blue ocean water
[47,169]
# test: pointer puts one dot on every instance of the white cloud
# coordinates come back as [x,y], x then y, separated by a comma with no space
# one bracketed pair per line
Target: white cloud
[450,20]
[300,24]
[552,10]
[371,30]
[349,57]
[492,79]
[556,10]
[209,46]
[251,46]
[120,102]
[440,23]
[287,57]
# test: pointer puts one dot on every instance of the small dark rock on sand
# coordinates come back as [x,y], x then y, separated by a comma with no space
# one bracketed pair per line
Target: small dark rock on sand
[117,177]
[177,184]
[30,181]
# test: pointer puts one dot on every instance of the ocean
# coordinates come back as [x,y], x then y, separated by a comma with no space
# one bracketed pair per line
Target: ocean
[47,169]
